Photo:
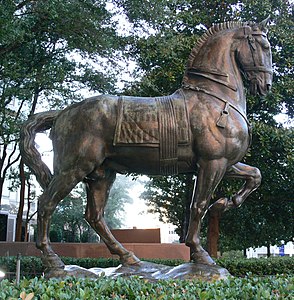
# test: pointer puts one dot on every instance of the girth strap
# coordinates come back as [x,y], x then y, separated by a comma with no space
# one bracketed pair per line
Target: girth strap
[168,136]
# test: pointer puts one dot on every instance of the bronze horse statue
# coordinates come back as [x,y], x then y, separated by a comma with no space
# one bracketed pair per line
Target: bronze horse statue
[202,129]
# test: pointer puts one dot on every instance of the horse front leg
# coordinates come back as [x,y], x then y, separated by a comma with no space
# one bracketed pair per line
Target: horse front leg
[209,176]
[252,178]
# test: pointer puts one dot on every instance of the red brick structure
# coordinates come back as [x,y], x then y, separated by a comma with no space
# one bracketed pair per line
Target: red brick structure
[142,250]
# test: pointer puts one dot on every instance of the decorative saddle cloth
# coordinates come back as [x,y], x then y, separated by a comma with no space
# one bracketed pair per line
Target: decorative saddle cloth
[154,122]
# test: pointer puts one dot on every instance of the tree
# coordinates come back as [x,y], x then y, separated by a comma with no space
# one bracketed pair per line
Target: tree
[48,53]
[264,218]
[68,224]
[161,58]
[170,197]
[21,232]
[119,196]
[40,42]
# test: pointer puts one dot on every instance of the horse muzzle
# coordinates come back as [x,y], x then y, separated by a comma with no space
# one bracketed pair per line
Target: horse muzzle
[260,83]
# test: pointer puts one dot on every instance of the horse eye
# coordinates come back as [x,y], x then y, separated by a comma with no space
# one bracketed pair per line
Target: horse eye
[263,42]
[265,45]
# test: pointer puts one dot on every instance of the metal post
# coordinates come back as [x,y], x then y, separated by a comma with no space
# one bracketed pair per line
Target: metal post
[18,268]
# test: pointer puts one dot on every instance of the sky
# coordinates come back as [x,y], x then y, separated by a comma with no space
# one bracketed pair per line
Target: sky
[136,212]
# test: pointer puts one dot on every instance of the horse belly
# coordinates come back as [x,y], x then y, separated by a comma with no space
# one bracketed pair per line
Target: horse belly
[145,160]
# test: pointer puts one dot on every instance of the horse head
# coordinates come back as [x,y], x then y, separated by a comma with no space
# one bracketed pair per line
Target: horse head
[253,55]
[211,57]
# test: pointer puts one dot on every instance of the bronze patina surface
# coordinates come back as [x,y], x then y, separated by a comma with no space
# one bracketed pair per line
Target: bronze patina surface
[88,147]
[160,122]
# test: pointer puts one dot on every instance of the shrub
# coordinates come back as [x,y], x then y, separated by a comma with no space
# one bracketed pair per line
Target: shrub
[32,266]
[272,287]
[258,266]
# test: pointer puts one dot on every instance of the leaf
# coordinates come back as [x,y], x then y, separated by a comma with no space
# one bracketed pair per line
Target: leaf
[23,295]
[30,296]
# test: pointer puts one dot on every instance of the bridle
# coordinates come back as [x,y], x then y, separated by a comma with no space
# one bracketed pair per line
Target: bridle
[209,74]
[252,47]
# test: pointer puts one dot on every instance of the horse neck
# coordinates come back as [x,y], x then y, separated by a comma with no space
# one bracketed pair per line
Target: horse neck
[215,69]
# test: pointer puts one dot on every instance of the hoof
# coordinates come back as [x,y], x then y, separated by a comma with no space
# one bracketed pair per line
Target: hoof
[130,259]
[202,257]
[221,205]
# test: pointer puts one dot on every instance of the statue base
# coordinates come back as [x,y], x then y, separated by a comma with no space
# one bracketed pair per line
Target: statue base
[146,270]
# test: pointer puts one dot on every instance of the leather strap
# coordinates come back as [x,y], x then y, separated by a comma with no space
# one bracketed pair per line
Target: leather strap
[198,89]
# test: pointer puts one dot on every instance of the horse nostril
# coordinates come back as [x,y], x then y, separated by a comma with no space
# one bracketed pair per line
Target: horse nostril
[268,86]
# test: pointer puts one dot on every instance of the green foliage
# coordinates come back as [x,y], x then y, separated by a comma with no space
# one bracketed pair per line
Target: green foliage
[37,42]
[68,223]
[258,266]
[49,51]
[264,217]
[32,266]
[273,287]
[119,196]
[170,197]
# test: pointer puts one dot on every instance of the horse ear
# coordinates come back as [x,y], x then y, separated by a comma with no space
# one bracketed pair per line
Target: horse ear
[263,24]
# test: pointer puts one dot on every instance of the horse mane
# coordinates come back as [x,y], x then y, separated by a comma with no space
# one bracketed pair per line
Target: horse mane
[210,32]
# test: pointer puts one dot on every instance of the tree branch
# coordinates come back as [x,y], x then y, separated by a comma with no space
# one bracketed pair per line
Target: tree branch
[23,3]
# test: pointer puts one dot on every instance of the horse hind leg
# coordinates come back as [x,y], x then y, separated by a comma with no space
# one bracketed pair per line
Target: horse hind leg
[252,178]
[209,175]
[97,194]
[59,187]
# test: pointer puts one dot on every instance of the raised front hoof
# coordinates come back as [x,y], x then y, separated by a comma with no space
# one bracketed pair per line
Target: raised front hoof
[221,205]
[129,259]
[52,262]
[202,257]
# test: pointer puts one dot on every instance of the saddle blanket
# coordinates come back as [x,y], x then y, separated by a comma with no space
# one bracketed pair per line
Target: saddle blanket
[154,122]
[141,118]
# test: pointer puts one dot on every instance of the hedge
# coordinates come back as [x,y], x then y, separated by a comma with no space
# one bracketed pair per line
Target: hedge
[249,287]
[32,266]
[258,266]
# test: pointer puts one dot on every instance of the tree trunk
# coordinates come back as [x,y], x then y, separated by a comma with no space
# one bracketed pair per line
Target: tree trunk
[2,171]
[5,167]
[26,239]
[189,193]
[268,248]
[245,253]
[1,188]
[21,202]
[213,233]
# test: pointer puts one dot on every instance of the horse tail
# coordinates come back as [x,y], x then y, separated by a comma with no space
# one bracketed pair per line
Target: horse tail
[30,155]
